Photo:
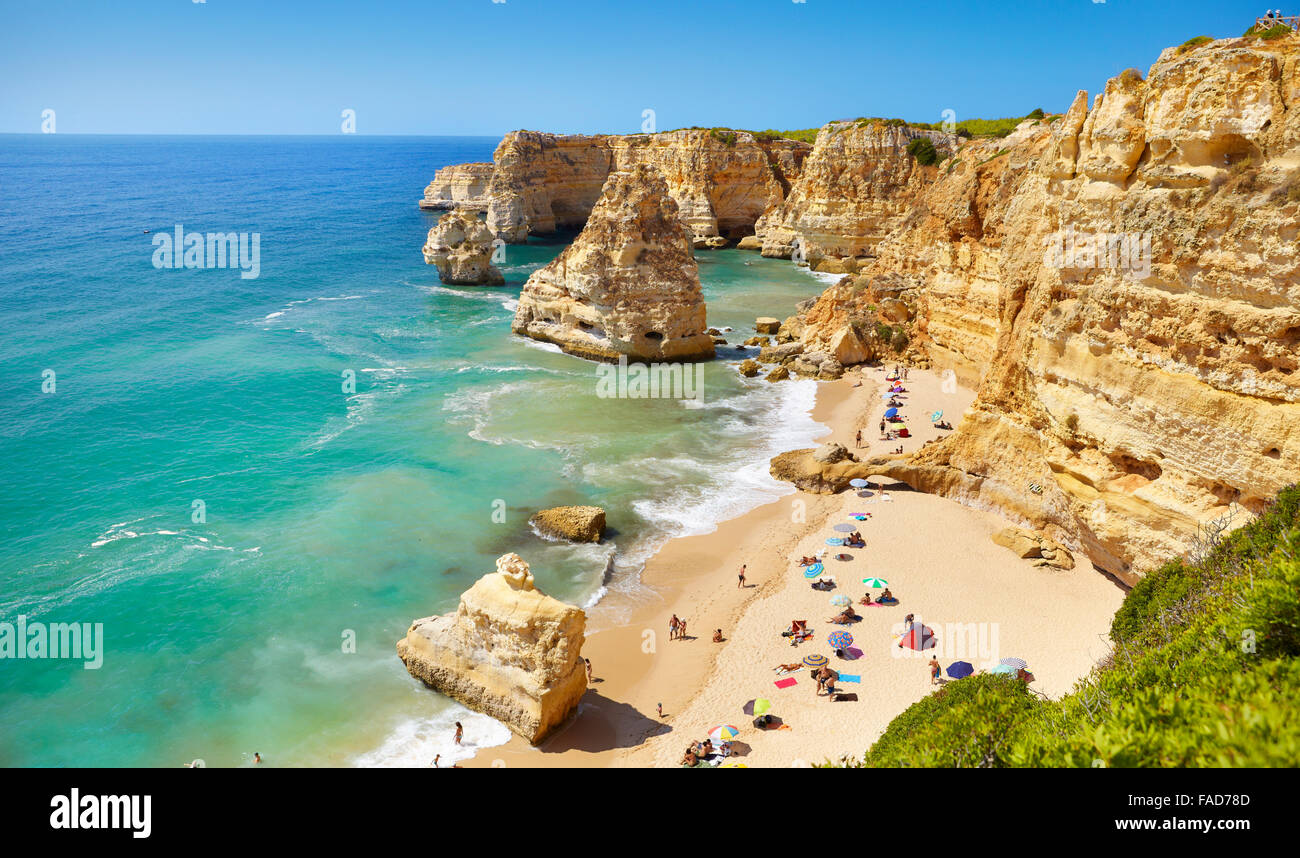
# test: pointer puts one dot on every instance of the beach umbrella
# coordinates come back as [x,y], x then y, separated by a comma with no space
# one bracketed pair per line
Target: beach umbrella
[959,669]
[918,638]
[934,418]
[724,733]
[757,706]
[733,764]
[859,483]
[834,540]
[1017,663]
[840,640]
[886,395]
[891,412]
[815,660]
[813,571]
[1004,670]
[875,582]
[844,528]
[841,601]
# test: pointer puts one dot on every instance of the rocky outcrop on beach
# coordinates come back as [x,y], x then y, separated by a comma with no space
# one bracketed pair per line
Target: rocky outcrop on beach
[627,286]
[461,246]
[538,183]
[509,651]
[1028,545]
[574,523]
[823,470]
[1121,285]
[459,186]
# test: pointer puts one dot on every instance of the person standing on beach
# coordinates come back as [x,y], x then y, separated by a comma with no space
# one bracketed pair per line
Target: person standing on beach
[460,731]
[934,670]
[436,758]
[674,626]
[742,577]
[858,441]
[588,662]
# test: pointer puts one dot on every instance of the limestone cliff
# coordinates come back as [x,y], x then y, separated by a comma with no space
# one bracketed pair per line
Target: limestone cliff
[509,651]
[853,190]
[627,286]
[1123,285]
[461,246]
[460,186]
[539,183]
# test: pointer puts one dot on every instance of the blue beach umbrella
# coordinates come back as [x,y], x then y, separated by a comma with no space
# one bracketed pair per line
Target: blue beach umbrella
[859,483]
[934,418]
[1004,670]
[813,571]
[834,541]
[959,669]
[892,412]
[840,640]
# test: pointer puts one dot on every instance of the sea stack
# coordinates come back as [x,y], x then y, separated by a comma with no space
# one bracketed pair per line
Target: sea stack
[461,246]
[509,651]
[628,286]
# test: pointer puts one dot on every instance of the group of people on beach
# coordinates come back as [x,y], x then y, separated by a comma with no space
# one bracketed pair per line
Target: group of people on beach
[676,628]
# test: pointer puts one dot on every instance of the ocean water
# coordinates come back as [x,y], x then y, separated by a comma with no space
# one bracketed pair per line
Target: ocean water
[185,464]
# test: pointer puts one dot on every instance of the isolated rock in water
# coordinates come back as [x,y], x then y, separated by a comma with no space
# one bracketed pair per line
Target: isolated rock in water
[750,242]
[574,523]
[781,373]
[461,246]
[627,286]
[509,651]
[749,368]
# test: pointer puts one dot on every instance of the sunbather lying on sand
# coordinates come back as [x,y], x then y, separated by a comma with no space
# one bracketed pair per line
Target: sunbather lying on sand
[842,619]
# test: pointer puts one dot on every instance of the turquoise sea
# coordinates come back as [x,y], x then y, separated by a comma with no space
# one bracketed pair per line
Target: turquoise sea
[200,479]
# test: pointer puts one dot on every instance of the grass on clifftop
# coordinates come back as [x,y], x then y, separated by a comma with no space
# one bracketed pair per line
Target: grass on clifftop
[1204,672]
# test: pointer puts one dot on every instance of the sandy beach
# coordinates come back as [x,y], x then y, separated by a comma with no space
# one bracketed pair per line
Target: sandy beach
[980,600]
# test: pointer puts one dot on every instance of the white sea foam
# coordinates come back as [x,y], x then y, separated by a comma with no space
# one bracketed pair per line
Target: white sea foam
[415,742]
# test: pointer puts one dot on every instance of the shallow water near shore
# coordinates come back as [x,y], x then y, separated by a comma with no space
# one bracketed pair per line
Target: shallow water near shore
[328,515]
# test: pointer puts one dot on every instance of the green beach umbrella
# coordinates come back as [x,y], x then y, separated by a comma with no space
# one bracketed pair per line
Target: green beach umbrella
[762,705]
[875,582]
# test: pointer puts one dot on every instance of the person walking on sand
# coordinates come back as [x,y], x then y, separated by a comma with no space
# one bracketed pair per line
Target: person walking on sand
[858,440]
[436,758]
[674,627]
[460,731]
[742,577]
[681,628]
[934,670]
[589,676]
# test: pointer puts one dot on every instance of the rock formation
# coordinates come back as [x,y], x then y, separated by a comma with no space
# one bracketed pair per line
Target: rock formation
[509,651]
[460,186]
[461,246]
[539,183]
[574,523]
[1122,285]
[627,286]
[853,190]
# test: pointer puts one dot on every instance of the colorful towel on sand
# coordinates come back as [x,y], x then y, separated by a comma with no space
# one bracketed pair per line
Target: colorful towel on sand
[849,677]
[786,683]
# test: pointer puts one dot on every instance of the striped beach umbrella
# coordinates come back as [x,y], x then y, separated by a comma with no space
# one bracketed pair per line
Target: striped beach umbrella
[815,660]
[877,583]
[841,601]
[834,540]
[724,733]
[934,418]
[1017,663]
[813,571]
[840,640]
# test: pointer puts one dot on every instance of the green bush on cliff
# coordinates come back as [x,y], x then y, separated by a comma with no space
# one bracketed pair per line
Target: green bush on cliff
[922,149]
[1205,671]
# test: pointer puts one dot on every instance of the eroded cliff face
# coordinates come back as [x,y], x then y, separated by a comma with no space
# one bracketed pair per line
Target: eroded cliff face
[509,651]
[459,186]
[539,183]
[853,190]
[1123,284]
[627,286]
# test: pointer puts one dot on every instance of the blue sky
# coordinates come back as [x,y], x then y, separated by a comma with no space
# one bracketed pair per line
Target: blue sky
[479,67]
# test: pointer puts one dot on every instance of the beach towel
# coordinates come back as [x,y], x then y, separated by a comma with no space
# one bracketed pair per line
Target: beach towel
[849,677]
[786,683]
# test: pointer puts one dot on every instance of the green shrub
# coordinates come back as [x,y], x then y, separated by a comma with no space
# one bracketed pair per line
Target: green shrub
[1036,113]
[1194,42]
[1205,672]
[898,342]
[922,149]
